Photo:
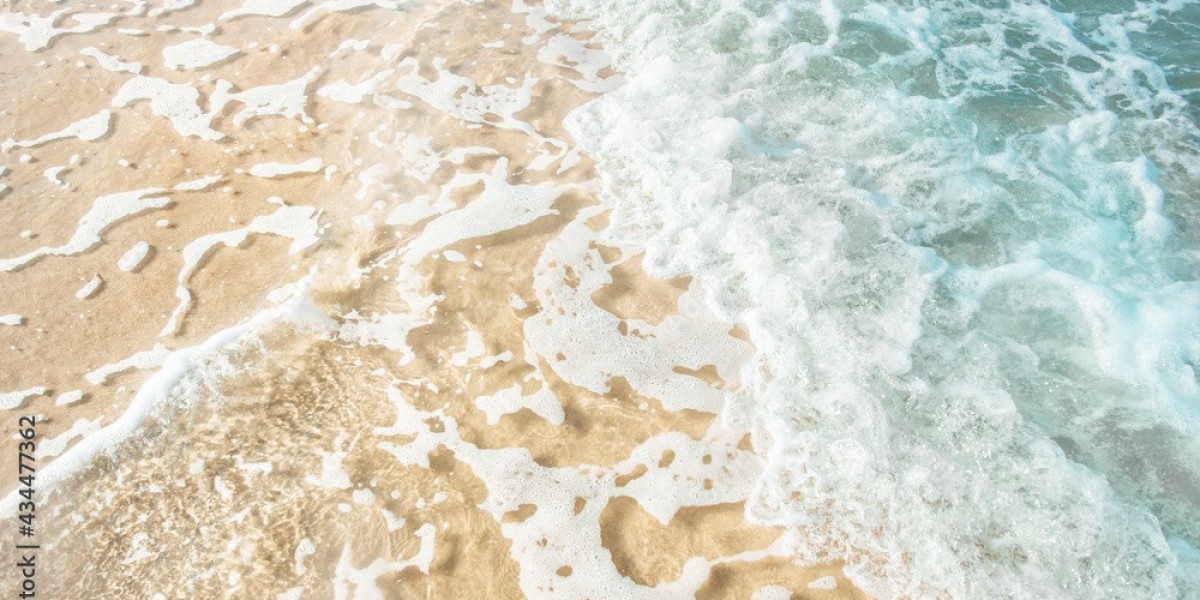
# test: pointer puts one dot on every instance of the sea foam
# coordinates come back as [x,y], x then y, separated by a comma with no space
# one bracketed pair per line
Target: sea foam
[959,236]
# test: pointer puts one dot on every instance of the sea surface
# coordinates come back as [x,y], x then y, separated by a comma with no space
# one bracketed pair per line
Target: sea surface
[964,239]
[604,299]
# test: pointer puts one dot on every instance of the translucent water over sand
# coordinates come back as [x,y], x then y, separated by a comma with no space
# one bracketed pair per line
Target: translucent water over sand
[355,332]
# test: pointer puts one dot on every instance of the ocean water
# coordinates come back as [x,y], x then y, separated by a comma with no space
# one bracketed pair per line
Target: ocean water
[964,238]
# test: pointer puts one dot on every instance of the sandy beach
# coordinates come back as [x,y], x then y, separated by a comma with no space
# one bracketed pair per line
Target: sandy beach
[314,300]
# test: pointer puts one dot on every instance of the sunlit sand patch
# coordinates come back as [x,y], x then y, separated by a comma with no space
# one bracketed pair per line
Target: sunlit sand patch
[633,294]
[127,149]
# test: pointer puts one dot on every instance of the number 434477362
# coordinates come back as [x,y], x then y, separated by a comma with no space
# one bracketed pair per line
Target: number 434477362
[26,470]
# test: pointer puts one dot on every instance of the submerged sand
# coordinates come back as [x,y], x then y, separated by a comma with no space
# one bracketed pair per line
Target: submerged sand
[472,392]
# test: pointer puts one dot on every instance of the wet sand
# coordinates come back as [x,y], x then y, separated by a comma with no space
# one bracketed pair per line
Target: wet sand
[483,398]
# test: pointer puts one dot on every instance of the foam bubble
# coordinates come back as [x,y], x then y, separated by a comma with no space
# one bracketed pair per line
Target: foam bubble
[287,99]
[11,400]
[275,169]
[55,445]
[36,32]
[178,102]
[70,397]
[112,63]
[90,288]
[146,359]
[134,257]
[772,592]
[265,8]
[88,129]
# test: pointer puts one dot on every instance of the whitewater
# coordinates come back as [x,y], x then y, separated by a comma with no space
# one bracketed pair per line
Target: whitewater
[963,237]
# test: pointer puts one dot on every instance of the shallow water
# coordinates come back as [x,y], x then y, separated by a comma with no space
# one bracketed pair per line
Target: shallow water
[319,307]
[963,237]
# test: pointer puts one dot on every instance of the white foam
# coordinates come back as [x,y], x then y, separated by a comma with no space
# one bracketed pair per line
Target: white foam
[88,129]
[349,46]
[36,32]
[54,176]
[362,496]
[419,161]
[112,63]
[772,592]
[298,310]
[178,102]
[196,54]
[391,329]
[304,549]
[291,594]
[256,468]
[12,319]
[134,257]
[501,206]
[392,521]
[137,550]
[333,476]
[344,6]
[70,397]
[342,91]
[170,6]
[222,489]
[90,288]
[146,359]
[566,51]
[556,535]
[56,445]
[11,400]
[299,223]
[474,348]
[823,583]
[461,98]
[365,580]
[510,401]
[490,361]
[197,185]
[859,225]
[106,211]
[264,8]
[276,169]
[585,346]
[287,99]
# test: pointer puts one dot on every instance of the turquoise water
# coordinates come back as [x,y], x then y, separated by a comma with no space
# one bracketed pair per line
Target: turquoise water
[964,238]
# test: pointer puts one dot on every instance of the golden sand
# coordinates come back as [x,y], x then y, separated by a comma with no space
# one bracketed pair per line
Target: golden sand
[228,490]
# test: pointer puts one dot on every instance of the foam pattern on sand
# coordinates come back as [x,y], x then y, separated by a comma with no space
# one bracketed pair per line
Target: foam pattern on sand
[356,332]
